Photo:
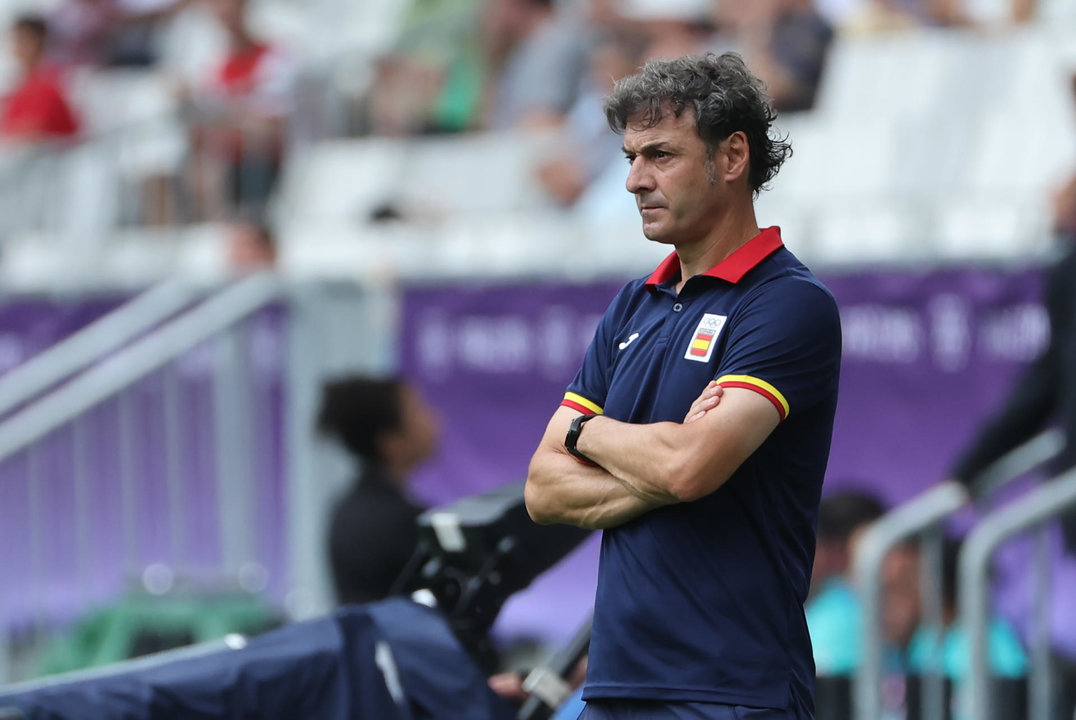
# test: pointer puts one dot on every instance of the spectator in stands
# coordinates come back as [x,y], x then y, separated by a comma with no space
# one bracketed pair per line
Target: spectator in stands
[387,425]
[950,652]
[841,516]
[242,113]
[37,108]
[833,610]
[539,59]
[110,33]
[673,28]
[587,146]
[432,80]
[901,600]
[785,42]
[911,645]
[251,247]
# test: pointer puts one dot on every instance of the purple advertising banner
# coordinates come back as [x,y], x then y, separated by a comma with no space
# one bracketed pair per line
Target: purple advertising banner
[927,356]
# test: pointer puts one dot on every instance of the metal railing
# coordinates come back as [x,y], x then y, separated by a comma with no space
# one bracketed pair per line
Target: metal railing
[216,318]
[136,361]
[92,343]
[922,517]
[1042,504]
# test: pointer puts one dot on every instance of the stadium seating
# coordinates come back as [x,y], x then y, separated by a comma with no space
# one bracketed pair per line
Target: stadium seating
[956,136]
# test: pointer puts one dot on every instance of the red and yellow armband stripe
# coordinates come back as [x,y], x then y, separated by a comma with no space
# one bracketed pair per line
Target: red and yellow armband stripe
[762,387]
[580,403]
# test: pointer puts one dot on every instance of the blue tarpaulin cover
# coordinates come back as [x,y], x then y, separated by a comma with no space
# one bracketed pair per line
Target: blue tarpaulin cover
[393,660]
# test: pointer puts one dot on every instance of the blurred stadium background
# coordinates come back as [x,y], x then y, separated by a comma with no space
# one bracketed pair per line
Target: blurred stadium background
[427,187]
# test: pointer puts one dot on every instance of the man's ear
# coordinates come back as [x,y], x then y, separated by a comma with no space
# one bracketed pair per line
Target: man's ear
[737,155]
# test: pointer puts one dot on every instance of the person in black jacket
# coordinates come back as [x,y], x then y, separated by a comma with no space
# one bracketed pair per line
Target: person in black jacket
[1044,394]
[387,425]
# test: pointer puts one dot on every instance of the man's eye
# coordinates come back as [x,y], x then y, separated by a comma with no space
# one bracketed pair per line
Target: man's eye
[661,154]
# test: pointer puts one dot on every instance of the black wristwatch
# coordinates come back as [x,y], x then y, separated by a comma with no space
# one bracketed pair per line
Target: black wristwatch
[572,437]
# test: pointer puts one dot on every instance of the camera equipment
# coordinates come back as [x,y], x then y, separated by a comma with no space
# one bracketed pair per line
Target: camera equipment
[476,553]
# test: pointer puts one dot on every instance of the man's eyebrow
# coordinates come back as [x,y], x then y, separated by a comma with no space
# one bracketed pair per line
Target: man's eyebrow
[647,148]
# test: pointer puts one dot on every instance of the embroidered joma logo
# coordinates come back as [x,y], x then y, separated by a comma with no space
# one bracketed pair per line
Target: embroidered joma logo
[629,341]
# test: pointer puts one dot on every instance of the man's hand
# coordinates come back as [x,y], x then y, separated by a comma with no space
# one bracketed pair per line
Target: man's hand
[708,400]
[509,685]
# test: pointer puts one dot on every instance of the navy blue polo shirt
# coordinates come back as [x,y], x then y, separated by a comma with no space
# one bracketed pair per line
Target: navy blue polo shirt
[703,601]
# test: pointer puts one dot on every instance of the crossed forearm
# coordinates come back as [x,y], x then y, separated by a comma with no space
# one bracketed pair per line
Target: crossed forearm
[643,458]
[562,490]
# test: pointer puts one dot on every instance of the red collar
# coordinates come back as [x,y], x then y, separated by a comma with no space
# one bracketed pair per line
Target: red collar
[731,269]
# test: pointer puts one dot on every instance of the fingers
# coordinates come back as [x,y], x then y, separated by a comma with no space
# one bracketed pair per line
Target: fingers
[509,686]
[708,400]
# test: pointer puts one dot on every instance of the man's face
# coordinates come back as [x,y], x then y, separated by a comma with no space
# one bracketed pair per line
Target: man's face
[901,599]
[27,47]
[674,179]
[419,426]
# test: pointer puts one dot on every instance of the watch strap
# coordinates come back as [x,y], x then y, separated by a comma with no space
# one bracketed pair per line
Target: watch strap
[572,438]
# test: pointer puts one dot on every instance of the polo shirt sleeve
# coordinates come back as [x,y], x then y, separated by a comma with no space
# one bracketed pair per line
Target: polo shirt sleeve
[785,344]
[588,391]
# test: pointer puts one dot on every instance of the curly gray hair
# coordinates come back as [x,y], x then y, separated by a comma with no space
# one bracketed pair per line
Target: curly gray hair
[724,95]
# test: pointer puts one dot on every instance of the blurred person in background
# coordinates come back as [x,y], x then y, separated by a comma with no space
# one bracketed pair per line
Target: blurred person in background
[538,57]
[1045,393]
[913,648]
[251,246]
[433,79]
[674,28]
[110,33]
[949,652]
[902,609]
[786,41]
[240,122]
[834,614]
[386,425]
[37,108]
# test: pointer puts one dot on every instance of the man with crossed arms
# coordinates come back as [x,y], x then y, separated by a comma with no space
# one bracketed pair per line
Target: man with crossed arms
[708,502]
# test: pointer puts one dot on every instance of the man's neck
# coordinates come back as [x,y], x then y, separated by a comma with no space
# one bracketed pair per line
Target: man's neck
[730,234]
[31,69]
[396,472]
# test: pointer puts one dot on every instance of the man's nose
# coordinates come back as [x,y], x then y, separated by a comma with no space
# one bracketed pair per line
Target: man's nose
[639,177]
